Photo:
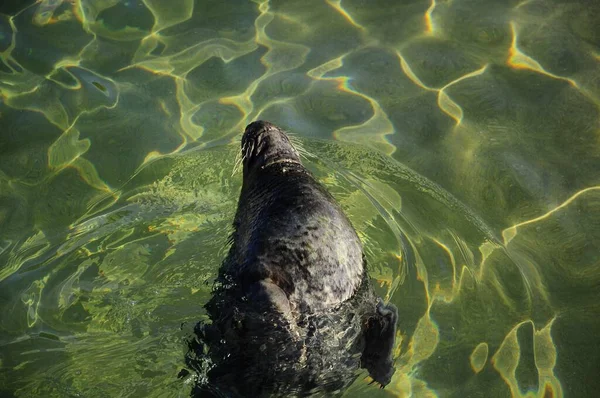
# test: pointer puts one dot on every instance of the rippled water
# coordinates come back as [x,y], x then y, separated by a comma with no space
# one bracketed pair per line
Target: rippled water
[462,137]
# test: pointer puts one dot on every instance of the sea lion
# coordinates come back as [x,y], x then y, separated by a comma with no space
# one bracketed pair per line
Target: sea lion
[293,312]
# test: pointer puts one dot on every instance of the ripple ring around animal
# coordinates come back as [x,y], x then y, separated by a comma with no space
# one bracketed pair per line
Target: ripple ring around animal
[292,312]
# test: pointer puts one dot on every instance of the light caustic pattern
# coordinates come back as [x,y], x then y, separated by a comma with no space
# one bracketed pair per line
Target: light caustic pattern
[461,136]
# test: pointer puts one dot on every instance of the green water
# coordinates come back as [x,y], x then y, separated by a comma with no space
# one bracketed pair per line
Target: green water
[462,137]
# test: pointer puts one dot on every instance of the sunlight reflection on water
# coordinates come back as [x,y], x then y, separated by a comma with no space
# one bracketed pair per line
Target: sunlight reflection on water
[461,137]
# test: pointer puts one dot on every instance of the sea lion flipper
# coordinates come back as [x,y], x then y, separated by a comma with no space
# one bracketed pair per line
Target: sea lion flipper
[380,332]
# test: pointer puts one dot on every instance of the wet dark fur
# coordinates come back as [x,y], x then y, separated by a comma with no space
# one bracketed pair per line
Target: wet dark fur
[293,312]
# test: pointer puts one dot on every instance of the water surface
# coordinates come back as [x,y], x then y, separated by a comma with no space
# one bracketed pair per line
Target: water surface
[462,137]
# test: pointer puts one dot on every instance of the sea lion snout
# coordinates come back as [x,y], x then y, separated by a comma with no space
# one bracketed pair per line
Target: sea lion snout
[264,144]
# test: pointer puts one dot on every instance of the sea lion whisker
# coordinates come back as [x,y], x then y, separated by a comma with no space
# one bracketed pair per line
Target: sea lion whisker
[298,145]
[237,165]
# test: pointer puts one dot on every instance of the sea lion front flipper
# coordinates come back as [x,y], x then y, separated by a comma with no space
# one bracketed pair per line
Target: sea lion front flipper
[380,333]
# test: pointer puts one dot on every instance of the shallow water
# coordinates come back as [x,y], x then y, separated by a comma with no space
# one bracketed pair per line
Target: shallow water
[462,137]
